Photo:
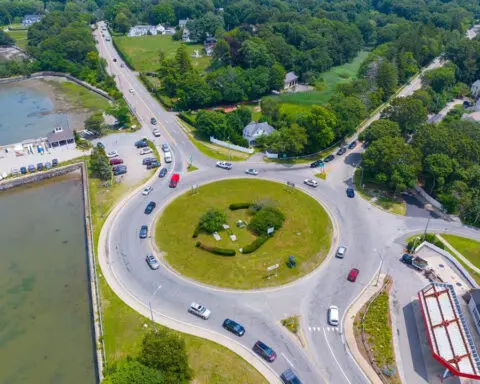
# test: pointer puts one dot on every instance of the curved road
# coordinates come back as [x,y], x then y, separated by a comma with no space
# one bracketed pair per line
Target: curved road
[370,234]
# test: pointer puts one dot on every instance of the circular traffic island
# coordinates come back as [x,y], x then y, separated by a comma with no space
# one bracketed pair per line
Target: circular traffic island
[244,234]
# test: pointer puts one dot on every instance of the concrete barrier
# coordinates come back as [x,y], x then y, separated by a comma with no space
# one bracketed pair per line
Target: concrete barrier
[429,198]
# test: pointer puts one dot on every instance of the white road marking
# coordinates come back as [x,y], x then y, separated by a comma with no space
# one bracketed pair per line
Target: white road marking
[333,355]
[288,361]
[310,329]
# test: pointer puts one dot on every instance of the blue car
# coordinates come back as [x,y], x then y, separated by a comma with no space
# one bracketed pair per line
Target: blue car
[150,207]
[143,232]
[31,168]
[289,377]
[163,172]
[234,327]
[350,192]
[23,170]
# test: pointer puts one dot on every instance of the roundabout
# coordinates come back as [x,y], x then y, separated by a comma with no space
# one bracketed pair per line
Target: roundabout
[306,234]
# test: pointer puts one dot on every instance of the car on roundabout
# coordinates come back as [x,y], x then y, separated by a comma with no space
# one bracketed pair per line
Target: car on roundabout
[147,190]
[311,183]
[252,171]
[233,327]
[163,172]
[333,316]
[153,121]
[264,351]
[352,276]
[165,148]
[174,180]
[143,232]
[152,262]
[150,207]
[199,310]
[341,252]
[224,165]
[289,377]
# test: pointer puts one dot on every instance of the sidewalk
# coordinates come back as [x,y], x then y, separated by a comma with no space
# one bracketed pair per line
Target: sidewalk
[458,254]
[348,327]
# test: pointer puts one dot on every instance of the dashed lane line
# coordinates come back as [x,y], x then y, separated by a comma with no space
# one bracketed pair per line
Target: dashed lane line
[333,355]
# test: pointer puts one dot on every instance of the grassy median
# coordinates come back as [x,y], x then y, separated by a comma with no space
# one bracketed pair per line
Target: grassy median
[306,234]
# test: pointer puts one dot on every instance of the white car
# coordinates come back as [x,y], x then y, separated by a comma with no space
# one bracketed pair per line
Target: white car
[112,154]
[311,183]
[145,151]
[224,165]
[156,132]
[199,310]
[333,315]
[251,171]
[341,252]
[147,191]
[132,91]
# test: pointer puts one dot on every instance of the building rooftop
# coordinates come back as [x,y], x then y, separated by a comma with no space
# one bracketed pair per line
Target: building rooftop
[290,76]
[59,134]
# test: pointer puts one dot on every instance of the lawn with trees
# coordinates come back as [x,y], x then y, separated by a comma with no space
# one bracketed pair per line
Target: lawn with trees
[303,229]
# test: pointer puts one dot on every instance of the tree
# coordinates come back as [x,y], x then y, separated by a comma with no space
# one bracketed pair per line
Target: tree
[212,220]
[221,51]
[182,59]
[133,372]
[387,77]
[408,112]
[267,217]
[95,123]
[350,111]
[290,140]
[100,165]
[407,66]
[209,24]
[5,39]
[162,13]
[254,53]
[277,76]
[379,129]
[121,23]
[439,166]
[319,124]
[121,112]
[165,351]
[440,79]
[212,123]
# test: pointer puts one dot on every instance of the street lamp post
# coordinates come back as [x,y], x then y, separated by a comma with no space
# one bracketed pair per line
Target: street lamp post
[150,304]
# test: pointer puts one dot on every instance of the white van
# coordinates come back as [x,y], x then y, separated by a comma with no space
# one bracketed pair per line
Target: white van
[333,315]
[168,157]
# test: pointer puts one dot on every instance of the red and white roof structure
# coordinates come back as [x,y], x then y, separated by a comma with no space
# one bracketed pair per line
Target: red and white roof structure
[448,334]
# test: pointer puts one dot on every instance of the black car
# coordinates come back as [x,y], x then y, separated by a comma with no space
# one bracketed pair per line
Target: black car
[150,207]
[54,162]
[352,145]
[143,232]
[141,143]
[114,60]
[264,351]
[39,166]
[317,163]
[289,377]
[341,151]
[328,158]
[153,164]
[153,121]
[163,172]
[23,170]
[148,160]
[233,327]
[350,192]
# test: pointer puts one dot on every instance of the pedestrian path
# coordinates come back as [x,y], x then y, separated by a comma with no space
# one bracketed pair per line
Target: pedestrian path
[328,329]
[458,254]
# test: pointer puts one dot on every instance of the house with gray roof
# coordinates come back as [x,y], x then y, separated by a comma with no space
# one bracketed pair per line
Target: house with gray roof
[254,130]
[290,81]
[59,137]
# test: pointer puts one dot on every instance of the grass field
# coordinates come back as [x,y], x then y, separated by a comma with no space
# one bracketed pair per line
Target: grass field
[20,38]
[325,88]
[467,247]
[306,234]
[143,51]
[81,96]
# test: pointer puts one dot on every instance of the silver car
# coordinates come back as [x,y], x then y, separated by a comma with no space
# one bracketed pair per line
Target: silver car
[152,262]
[251,171]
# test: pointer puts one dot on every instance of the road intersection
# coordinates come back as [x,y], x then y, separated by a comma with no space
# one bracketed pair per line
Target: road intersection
[373,237]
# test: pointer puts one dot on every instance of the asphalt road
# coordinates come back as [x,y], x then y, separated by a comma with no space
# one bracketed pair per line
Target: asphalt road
[373,238]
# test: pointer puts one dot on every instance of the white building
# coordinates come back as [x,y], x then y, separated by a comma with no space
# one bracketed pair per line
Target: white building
[254,130]
[142,30]
[31,19]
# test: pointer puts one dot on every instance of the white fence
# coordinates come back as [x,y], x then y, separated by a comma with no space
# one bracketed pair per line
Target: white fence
[231,146]
[269,155]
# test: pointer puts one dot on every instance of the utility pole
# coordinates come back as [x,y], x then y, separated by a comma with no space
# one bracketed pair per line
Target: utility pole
[426,227]
[150,305]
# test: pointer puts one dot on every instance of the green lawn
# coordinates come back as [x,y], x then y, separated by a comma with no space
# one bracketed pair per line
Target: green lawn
[80,96]
[20,38]
[306,234]
[467,247]
[143,52]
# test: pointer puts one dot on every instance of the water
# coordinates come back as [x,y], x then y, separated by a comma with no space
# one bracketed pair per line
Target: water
[26,113]
[45,316]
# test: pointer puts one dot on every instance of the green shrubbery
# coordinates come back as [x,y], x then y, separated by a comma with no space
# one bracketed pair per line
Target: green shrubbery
[254,245]
[265,218]
[430,237]
[215,250]
[212,220]
[236,206]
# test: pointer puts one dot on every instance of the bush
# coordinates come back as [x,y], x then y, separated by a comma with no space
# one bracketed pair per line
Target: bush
[254,245]
[187,118]
[266,218]
[212,220]
[234,207]
[431,238]
[196,232]
[215,250]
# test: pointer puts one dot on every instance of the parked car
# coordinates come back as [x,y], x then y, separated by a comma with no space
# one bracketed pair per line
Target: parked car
[165,148]
[156,132]
[153,120]
[233,327]
[329,158]
[317,163]
[107,38]
[467,104]
[163,172]
[141,143]
[31,168]
[350,192]
[152,262]
[148,160]
[153,164]
[114,60]
[54,162]
[352,145]
[174,180]
[289,377]
[264,351]
[199,310]
[23,170]
[145,151]
[143,232]
[147,190]
[341,252]
[332,316]
[311,183]
[116,161]
[251,171]
[119,170]
[353,274]
[150,207]
[39,166]
[341,151]
[48,165]
[112,154]
[224,165]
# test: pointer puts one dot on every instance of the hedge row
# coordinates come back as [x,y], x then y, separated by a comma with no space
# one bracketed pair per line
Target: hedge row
[254,245]
[186,117]
[215,250]
[234,207]
[196,232]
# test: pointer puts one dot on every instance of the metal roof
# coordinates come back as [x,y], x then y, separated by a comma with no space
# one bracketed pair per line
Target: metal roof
[448,334]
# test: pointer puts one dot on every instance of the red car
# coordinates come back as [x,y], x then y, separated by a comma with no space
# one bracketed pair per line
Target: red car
[116,161]
[174,180]
[352,276]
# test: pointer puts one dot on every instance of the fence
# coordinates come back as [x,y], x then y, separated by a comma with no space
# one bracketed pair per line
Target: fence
[231,146]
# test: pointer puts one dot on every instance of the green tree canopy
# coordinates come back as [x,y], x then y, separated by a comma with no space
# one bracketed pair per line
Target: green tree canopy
[387,77]
[100,165]
[320,124]
[440,79]
[162,13]
[95,123]
[121,23]
[212,220]
[266,218]
[133,372]
[379,129]
[408,112]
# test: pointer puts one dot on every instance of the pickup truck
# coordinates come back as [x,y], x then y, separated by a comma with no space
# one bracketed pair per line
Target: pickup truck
[414,261]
